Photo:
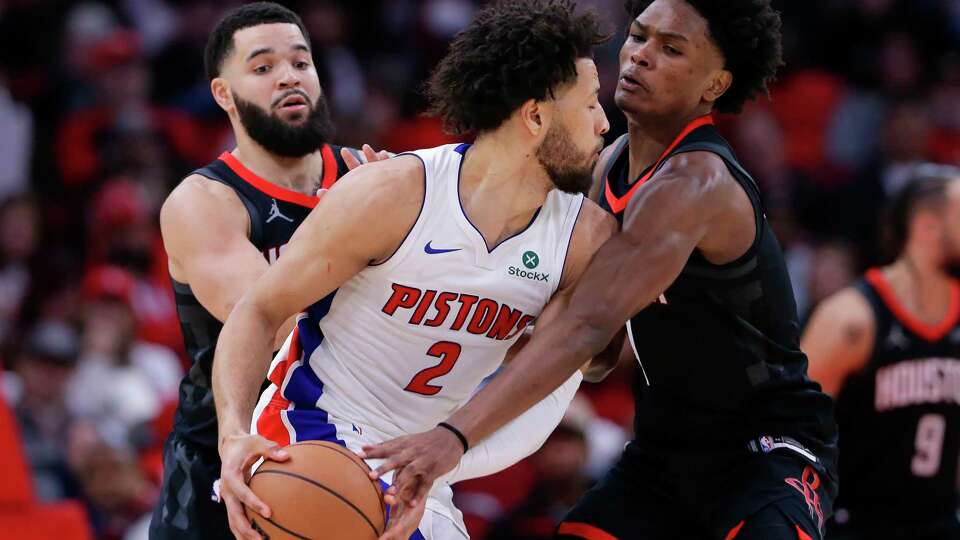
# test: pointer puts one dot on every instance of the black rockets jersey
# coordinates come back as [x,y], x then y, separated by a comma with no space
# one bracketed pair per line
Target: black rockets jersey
[721,370]
[275,213]
[900,418]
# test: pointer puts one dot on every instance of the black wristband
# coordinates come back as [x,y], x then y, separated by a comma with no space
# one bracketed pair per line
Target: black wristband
[455,431]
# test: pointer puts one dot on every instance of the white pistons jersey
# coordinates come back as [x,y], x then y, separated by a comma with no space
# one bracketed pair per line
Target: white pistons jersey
[403,344]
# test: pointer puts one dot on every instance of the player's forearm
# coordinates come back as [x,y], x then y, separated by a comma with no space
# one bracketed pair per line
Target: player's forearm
[538,370]
[519,438]
[239,367]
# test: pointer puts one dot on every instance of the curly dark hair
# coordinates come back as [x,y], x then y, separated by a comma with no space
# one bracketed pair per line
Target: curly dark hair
[220,42]
[512,51]
[747,32]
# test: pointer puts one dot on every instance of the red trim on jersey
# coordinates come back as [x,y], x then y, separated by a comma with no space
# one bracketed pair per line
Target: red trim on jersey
[802,535]
[617,204]
[270,423]
[270,188]
[929,332]
[584,530]
[329,167]
[734,531]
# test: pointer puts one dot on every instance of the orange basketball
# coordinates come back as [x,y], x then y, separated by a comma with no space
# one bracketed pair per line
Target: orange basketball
[322,491]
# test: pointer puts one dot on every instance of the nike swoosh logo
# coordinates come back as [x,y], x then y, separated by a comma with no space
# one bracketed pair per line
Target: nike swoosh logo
[432,251]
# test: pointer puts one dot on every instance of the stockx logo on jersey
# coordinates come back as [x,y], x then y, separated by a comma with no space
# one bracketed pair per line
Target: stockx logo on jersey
[530,261]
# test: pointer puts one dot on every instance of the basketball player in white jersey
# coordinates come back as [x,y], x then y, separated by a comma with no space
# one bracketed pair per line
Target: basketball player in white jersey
[420,272]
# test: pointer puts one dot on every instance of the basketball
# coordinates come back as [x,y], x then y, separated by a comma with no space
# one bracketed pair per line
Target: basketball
[322,491]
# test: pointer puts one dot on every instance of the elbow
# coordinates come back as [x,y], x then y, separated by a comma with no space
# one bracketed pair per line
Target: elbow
[593,334]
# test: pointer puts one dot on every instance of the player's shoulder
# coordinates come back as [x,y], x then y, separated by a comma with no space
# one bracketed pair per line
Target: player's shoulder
[198,201]
[382,185]
[847,308]
[701,167]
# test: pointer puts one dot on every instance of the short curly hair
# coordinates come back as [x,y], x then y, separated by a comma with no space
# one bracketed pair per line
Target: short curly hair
[747,32]
[512,51]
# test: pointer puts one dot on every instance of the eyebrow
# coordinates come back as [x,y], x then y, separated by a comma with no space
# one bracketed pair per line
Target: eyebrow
[268,50]
[670,35]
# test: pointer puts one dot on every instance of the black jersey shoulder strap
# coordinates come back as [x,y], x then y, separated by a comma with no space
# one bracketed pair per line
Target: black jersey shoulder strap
[728,156]
[619,145]
[882,318]
[739,174]
[218,171]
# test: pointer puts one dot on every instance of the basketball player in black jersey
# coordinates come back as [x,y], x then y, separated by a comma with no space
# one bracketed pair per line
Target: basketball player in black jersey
[226,222]
[733,440]
[889,347]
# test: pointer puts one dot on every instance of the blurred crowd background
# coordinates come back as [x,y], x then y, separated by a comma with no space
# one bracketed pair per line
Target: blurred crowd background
[104,108]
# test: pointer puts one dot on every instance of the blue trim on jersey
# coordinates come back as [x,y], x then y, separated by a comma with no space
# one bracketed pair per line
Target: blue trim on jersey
[309,422]
[462,148]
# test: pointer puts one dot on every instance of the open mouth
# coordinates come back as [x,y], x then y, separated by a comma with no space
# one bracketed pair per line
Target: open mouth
[293,102]
[629,83]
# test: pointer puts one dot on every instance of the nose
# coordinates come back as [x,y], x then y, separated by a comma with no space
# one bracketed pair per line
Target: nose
[640,55]
[289,78]
[604,122]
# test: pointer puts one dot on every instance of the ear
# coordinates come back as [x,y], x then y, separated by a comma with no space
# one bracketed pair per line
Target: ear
[718,85]
[220,89]
[532,114]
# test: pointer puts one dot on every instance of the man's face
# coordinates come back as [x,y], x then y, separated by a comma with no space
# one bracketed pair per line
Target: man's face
[951,230]
[668,62]
[276,91]
[573,142]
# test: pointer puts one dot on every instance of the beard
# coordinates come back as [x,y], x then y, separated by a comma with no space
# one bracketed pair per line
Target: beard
[569,169]
[282,138]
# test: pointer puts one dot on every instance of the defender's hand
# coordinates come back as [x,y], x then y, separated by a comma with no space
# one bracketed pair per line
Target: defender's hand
[239,453]
[418,459]
[368,156]
[404,520]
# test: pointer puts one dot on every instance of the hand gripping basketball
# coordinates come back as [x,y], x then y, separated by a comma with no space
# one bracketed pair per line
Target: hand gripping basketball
[239,453]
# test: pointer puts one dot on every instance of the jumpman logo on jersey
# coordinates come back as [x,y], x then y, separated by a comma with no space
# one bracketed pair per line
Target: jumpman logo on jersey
[897,339]
[275,213]
[955,336]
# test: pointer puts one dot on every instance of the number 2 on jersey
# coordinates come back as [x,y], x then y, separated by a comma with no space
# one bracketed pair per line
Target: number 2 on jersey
[448,353]
[929,445]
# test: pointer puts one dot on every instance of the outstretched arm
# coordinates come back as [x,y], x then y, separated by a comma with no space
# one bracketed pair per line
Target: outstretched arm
[667,220]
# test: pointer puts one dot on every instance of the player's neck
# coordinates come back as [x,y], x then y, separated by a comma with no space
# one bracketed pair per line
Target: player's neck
[921,286]
[650,136]
[501,187]
[301,174]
